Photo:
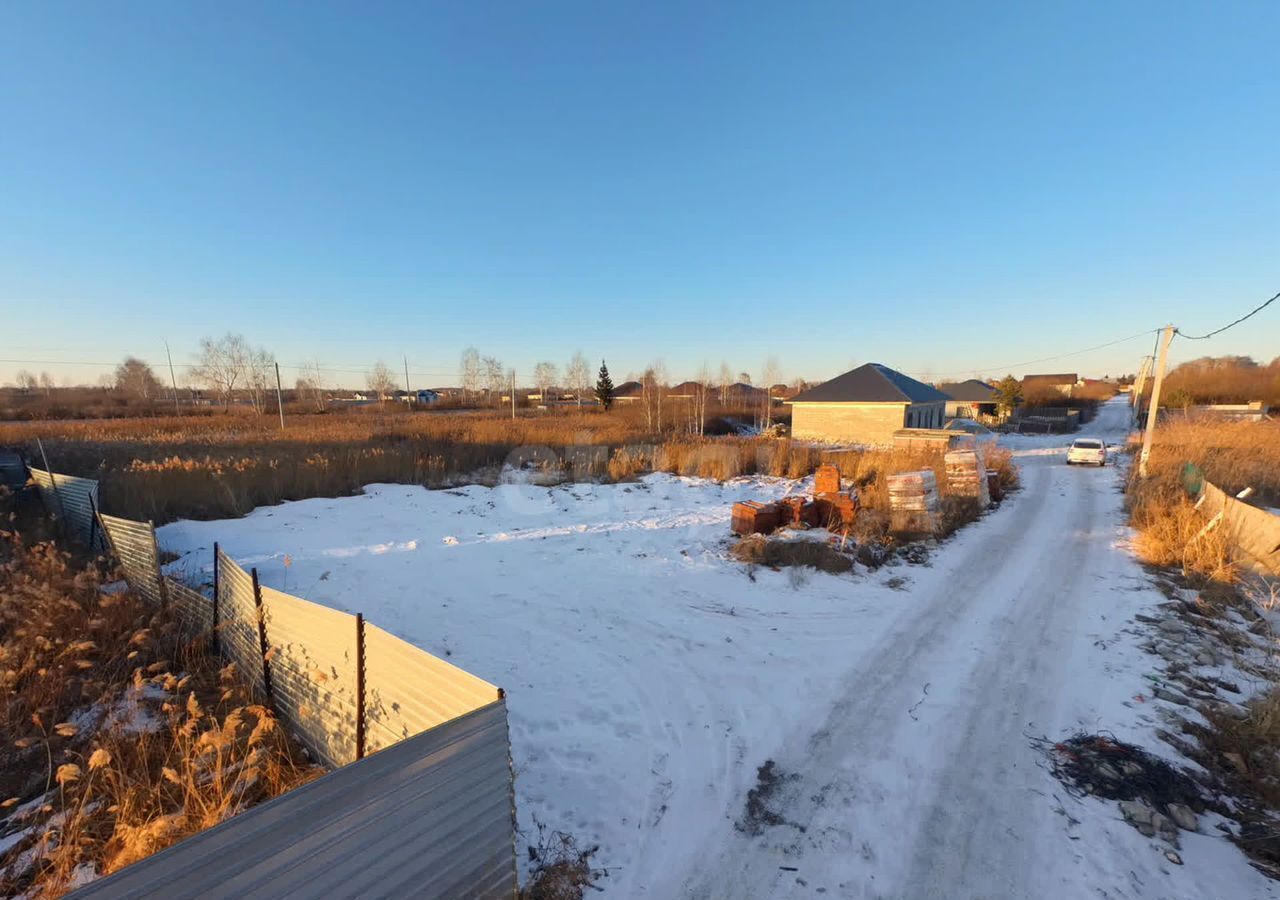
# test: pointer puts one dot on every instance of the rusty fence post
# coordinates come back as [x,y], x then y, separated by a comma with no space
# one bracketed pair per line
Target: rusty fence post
[262,639]
[360,728]
[214,629]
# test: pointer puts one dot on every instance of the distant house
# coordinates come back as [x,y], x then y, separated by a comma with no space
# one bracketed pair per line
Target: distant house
[866,406]
[628,392]
[1042,384]
[969,399]
[424,396]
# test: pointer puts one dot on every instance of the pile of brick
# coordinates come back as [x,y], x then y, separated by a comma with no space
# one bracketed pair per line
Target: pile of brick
[967,476]
[830,507]
[913,502]
[836,508]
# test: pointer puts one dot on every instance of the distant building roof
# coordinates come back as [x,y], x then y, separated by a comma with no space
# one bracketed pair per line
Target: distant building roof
[628,389]
[973,390]
[1069,378]
[872,383]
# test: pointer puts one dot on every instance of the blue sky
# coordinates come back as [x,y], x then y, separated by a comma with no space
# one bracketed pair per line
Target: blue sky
[945,188]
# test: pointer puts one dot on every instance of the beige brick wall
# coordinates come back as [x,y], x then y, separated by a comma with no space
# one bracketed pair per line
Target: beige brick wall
[855,423]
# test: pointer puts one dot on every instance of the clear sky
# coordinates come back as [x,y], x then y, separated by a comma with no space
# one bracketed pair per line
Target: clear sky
[941,187]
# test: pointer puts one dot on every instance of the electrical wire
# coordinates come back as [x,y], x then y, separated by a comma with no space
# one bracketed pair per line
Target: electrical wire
[1250,314]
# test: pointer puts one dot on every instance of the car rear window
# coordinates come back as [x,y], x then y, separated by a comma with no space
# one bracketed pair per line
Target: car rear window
[1089,445]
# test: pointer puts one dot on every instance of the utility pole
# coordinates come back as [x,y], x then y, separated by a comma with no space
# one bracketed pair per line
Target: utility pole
[279,401]
[513,395]
[1138,386]
[406,375]
[173,379]
[1166,338]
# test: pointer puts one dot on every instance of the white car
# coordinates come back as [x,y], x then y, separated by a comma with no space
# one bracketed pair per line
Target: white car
[1087,451]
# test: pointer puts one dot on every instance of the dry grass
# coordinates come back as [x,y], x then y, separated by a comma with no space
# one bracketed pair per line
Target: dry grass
[779,553]
[120,736]
[1233,455]
[224,466]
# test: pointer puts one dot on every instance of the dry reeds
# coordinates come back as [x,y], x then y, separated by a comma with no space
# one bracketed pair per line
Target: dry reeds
[1233,455]
[119,737]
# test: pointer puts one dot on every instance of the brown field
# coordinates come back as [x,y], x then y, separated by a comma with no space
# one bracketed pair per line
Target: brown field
[223,466]
[1233,455]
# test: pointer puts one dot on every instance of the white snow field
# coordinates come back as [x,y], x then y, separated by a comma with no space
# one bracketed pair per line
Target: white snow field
[648,676]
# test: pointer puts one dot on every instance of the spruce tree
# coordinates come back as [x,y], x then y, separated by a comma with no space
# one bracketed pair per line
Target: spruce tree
[1008,394]
[604,387]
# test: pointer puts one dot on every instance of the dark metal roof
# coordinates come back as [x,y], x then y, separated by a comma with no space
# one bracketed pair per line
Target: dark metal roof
[972,390]
[871,383]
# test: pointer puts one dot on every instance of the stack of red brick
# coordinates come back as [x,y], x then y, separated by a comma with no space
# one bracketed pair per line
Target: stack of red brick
[830,506]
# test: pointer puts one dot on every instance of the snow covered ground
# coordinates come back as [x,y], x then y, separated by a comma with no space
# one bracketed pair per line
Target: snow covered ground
[649,675]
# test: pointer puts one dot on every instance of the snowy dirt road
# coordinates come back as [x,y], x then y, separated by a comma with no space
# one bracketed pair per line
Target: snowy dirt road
[922,782]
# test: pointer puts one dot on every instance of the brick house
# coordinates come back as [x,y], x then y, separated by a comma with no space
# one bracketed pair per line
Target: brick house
[866,406]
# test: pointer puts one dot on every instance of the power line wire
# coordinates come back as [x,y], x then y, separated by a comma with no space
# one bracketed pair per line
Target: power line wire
[1030,362]
[1251,313]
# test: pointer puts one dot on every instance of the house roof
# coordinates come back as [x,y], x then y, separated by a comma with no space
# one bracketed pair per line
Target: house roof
[871,383]
[973,390]
[1069,378]
[628,389]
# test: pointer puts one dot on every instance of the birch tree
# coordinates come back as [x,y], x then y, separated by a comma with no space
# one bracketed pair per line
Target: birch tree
[544,377]
[726,378]
[577,376]
[495,376]
[470,372]
[770,374]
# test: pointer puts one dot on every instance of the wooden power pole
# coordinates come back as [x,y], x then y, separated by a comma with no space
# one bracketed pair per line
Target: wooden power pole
[1166,338]
[279,400]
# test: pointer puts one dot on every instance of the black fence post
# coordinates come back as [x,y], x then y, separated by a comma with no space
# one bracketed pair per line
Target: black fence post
[262,640]
[94,526]
[359,686]
[214,630]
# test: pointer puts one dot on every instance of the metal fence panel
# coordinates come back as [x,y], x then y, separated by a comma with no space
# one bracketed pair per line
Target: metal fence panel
[430,817]
[75,502]
[313,673]
[407,690]
[238,620]
[1255,532]
[194,609]
[134,545]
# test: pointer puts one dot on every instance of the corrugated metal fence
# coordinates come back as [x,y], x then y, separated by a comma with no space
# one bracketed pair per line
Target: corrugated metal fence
[1255,532]
[431,813]
[428,817]
[73,502]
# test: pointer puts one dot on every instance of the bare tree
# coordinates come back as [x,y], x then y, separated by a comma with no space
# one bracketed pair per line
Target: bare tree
[470,371]
[224,364]
[259,377]
[310,387]
[27,381]
[381,381]
[495,377]
[136,378]
[652,388]
[702,387]
[544,376]
[726,379]
[770,375]
[46,383]
[577,376]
